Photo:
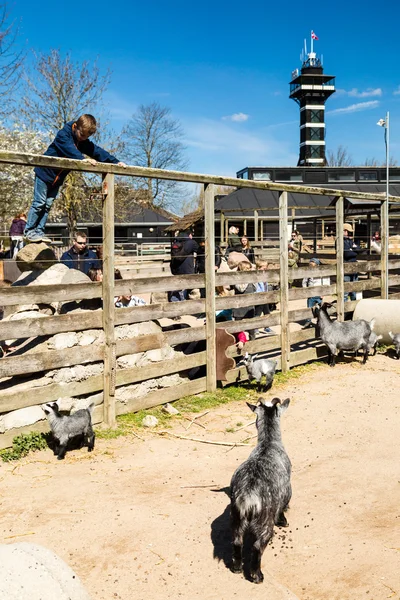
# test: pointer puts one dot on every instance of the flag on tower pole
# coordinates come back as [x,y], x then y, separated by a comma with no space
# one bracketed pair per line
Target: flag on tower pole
[313,36]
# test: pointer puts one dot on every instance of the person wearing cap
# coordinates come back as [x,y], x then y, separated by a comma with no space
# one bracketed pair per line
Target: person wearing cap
[314,281]
[350,252]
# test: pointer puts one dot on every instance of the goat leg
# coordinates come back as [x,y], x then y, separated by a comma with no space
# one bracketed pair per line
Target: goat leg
[62,451]
[238,528]
[282,521]
[256,575]
[366,354]
[91,438]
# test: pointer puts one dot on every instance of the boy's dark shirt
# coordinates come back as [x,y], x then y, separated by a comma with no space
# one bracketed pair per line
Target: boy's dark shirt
[65,145]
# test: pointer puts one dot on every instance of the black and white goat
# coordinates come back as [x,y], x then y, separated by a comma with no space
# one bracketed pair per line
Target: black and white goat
[66,428]
[260,488]
[396,342]
[259,368]
[338,336]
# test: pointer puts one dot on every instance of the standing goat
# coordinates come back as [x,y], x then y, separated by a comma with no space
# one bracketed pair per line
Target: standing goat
[260,488]
[396,342]
[338,336]
[259,368]
[66,428]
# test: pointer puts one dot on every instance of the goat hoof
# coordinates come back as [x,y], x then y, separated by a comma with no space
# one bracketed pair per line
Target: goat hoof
[60,457]
[236,568]
[257,577]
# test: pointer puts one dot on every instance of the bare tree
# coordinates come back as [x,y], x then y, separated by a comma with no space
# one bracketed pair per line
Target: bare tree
[339,158]
[59,90]
[154,139]
[373,162]
[10,60]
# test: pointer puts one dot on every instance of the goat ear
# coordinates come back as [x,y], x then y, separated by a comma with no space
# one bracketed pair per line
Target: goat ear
[252,407]
[284,405]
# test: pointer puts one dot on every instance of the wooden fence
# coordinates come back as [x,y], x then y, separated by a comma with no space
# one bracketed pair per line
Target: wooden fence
[289,347]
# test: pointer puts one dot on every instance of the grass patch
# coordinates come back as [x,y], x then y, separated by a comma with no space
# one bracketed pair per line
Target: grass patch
[23,444]
[131,422]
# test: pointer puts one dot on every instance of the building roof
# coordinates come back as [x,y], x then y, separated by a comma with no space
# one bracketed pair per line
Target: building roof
[246,200]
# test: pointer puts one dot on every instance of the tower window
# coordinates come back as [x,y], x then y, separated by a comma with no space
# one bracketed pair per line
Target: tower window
[316,116]
[315,152]
[316,133]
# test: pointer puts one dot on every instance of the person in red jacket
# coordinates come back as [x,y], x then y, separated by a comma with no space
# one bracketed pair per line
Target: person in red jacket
[72,141]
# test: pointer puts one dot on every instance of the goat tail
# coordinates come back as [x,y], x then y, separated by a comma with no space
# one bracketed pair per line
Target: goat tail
[90,408]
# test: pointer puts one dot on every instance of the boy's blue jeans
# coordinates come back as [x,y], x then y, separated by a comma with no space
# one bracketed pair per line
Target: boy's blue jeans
[351,295]
[43,198]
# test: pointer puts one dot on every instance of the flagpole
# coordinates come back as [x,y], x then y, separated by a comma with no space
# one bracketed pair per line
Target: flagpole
[312,43]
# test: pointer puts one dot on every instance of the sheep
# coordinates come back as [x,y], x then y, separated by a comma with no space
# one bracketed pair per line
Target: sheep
[260,488]
[338,336]
[65,428]
[260,367]
[396,342]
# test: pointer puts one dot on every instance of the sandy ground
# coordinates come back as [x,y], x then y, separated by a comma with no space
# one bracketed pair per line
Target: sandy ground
[148,519]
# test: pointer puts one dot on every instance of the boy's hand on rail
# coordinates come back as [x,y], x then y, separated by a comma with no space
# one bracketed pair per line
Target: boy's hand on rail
[90,160]
[122,164]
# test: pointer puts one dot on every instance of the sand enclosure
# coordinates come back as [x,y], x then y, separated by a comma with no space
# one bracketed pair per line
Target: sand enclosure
[148,518]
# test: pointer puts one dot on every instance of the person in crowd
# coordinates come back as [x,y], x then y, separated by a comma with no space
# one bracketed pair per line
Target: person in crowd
[234,243]
[95,274]
[201,262]
[245,312]
[314,281]
[183,252]
[262,286]
[17,234]
[295,245]
[72,141]
[350,253]
[79,256]
[376,243]
[247,250]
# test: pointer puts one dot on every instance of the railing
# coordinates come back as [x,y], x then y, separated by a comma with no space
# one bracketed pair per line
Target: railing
[285,345]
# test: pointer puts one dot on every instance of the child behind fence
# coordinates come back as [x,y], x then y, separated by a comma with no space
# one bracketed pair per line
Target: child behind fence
[314,281]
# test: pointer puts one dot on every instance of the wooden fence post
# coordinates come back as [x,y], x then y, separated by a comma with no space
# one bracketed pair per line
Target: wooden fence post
[109,374]
[222,228]
[339,257]
[256,225]
[284,278]
[209,234]
[385,249]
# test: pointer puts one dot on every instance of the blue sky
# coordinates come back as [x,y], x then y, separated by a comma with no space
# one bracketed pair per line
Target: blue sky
[224,69]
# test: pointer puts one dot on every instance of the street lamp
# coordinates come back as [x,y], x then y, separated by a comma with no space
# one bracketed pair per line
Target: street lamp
[385,215]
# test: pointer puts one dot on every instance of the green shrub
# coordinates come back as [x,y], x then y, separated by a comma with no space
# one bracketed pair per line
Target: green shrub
[23,444]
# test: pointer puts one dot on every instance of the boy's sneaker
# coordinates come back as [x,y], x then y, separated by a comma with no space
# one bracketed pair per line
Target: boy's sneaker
[269,330]
[45,239]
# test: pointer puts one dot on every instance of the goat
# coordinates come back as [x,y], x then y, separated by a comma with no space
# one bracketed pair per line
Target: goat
[259,368]
[260,488]
[396,342]
[65,428]
[339,336]
[373,342]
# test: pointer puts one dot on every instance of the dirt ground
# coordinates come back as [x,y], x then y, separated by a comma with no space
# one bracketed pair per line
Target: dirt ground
[148,518]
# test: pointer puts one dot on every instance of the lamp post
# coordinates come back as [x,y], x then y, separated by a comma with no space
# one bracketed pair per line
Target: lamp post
[385,217]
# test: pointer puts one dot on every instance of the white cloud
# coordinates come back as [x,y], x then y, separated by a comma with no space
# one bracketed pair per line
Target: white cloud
[220,148]
[368,93]
[355,107]
[236,117]
[397,91]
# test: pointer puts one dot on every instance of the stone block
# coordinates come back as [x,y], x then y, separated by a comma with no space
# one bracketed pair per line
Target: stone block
[35,256]
[33,572]
[60,341]
[150,421]
[21,418]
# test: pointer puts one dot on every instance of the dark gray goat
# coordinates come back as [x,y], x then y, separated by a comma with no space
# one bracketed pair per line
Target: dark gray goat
[260,488]
[337,336]
[396,342]
[259,368]
[66,428]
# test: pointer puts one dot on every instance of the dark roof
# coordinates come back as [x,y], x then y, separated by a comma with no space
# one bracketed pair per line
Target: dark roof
[187,221]
[139,215]
[246,200]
